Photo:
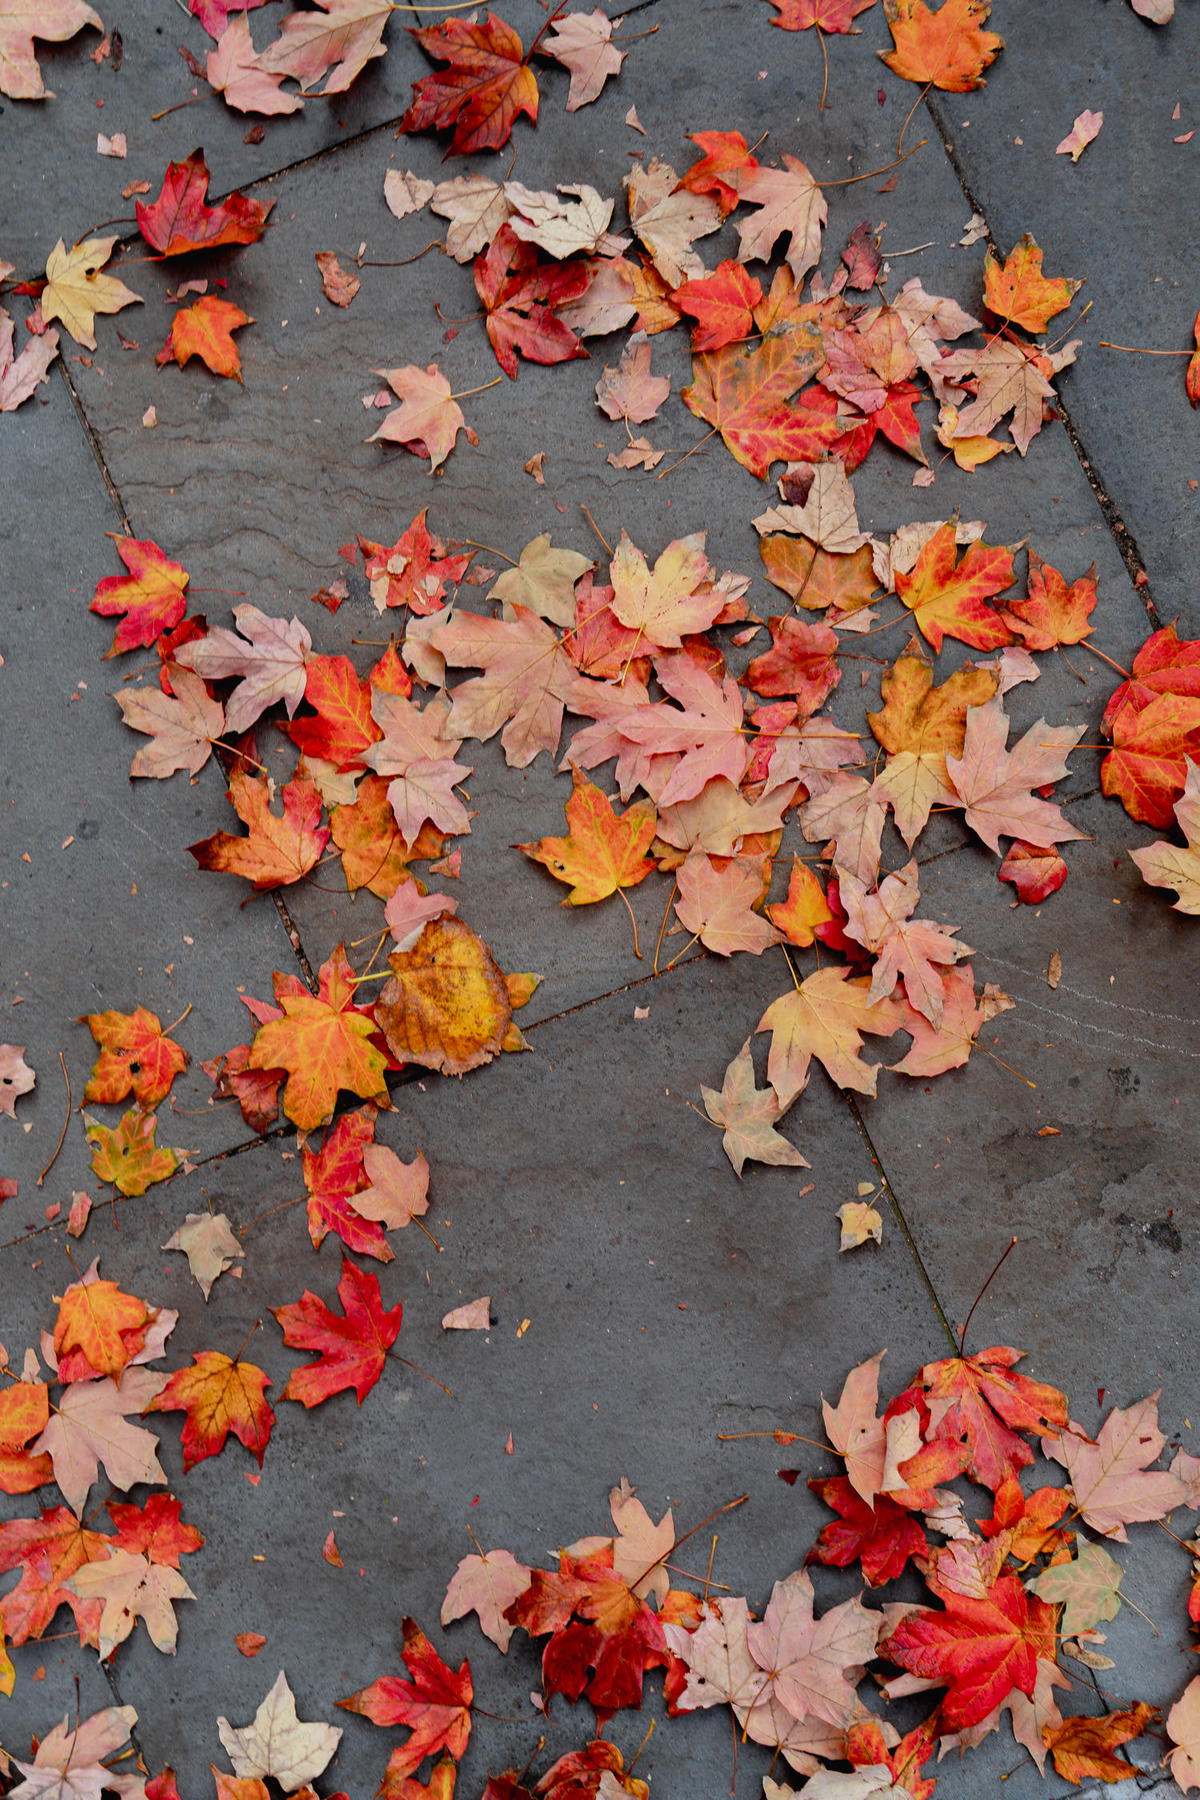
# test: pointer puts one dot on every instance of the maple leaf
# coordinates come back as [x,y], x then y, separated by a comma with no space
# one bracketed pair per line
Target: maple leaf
[630,391]
[561,227]
[447,1006]
[582,43]
[749,1116]
[788,200]
[918,725]
[1192,372]
[1109,1478]
[1166,865]
[1183,1729]
[948,1045]
[23,20]
[981,1399]
[667,603]
[744,393]
[882,1536]
[948,598]
[980,1649]
[98,1330]
[1084,130]
[351,1350]
[24,1414]
[520,292]
[47,1550]
[131,1587]
[1054,611]
[1017,291]
[1165,664]
[1087,1588]
[724,153]
[397,1191]
[180,219]
[1152,750]
[127,1155]
[277,1743]
[848,813]
[429,421]
[802,661]
[821,506]
[716,905]
[436,1703]
[203,330]
[993,783]
[279,849]
[487,1585]
[805,907]
[76,291]
[324,1042]
[414,571]
[1082,1747]
[331,1175]
[722,304]
[233,70]
[21,374]
[151,596]
[948,48]
[69,1763]
[183,725]
[827,15]
[344,727]
[1007,377]
[526,679]
[813,1665]
[483,91]
[815,577]
[339,40]
[156,1530]
[824,1017]
[91,1426]
[476,207]
[667,218]
[136,1057]
[218,1395]
[915,949]
[1036,874]
[603,851]
[269,655]
[544,580]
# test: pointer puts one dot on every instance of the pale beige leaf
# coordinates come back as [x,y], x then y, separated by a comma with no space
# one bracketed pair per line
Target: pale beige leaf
[399,1191]
[721,1670]
[487,1585]
[182,726]
[563,227]
[630,391]
[21,375]
[828,516]
[476,207]
[544,581]
[16,1077]
[53,21]
[668,222]
[848,815]
[474,1315]
[91,1427]
[132,1588]
[207,1241]
[582,42]
[749,1115]
[641,1547]
[233,69]
[1110,1480]
[855,1432]
[277,1743]
[75,1752]
[788,200]
[715,906]
[994,784]
[664,604]
[1170,865]
[406,193]
[813,1665]
[1083,132]
[269,654]
[1183,1729]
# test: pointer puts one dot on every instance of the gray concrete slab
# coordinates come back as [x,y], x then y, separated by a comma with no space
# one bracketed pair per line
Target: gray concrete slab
[99,901]
[1118,220]
[661,1312]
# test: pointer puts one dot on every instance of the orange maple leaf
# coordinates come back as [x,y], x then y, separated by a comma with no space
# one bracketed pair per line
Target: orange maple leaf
[136,1056]
[746,395]
[1152,748]
[805,907]
[98,1330]
[1019,293]
[815,577]
[949,599]
[278,850]
[436,1703]
[151,596]
[1082,1746]
[448,1006]
[324,1042]
[351,1350]
[24,1414]
[203,330]
[375,854]
[948,49]
[343,728]
[1054,611]
[1192,372]
[604,851]
[219,1395]
[484,90]
[982,1399]
[48,1550]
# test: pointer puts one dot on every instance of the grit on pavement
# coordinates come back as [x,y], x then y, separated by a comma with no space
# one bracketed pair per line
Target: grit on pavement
[667,1302]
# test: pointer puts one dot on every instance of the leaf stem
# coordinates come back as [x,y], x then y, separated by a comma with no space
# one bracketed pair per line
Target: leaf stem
[1005,1254]
[62,1136]
[482,389]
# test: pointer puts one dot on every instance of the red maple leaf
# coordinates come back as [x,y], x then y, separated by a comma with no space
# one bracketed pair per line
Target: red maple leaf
[48,1550]
[412,572]
[180,220]
[1165,664]
[866,1748]
[882,1537]
[896,419]
[978,1398]
[156,1530]
[520,291]
[725,153]
[350,1350]
[980,1649]
[484,90]
[721,303]
[802,661]
[333,1175]
[603,1638]
[436,1703]
[151,596]
[1036,874]
[826,15]
[343,727]
[218,1394]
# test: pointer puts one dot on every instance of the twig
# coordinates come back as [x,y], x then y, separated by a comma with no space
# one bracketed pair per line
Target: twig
[62,1136]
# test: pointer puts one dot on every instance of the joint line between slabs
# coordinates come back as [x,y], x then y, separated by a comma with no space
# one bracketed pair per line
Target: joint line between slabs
[1123,538]
[905,1229]
[628,987]
[106,475]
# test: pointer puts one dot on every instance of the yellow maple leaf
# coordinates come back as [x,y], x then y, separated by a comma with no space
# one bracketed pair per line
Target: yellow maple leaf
[76,291]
